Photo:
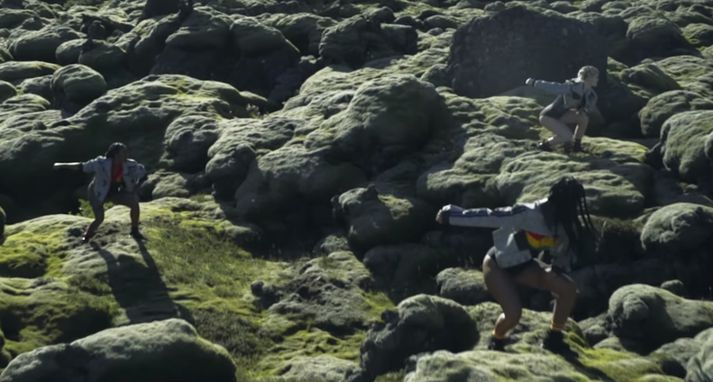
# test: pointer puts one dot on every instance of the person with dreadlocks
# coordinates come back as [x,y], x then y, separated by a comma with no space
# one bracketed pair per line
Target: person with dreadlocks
[116,179]
[556,224]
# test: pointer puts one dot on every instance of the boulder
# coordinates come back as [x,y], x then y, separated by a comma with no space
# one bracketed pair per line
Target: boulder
[326,291]
[7,90]
[75,86]
[361,38]
[699,35]
[252,38]
[475,74]
[683,144]
[653,316]
[303,30]
[673,356]
[68,52]
[205,28]
[385,120]
[323,368]
[17,71]
[240,143]
[650,78]
[376,218]
[422,324]
[679,229]
[464,286]
[700,366]
[615,191]
[292,178]
[406,268]
[41,45]
[665,105]
[144,352]
[41,86]
[187,140]
[653,36]
[154,8]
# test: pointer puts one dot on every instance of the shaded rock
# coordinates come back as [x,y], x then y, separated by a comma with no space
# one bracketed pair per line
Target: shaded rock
[649,78]
[680,229]
[41,45]
[104,57]
[654,316]
[676,287]
[68,52]
[205,28]
[667,104]
[252,38]
[75,86]
[323,368]
[41,86]
[464,286]
[187,140]
[423,324]
[292,177]
[6,91]
[406,268]
[153,8]
[376,218]
[303,30]
[16,71]
[475,74]
[653,36]
[359,39]
[145,352]
[239,144]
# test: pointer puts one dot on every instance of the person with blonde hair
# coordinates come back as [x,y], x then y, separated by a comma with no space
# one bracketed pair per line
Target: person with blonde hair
[116,179]
[575,99]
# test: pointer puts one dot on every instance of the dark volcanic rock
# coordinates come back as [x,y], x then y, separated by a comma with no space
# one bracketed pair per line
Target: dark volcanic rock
[496,53]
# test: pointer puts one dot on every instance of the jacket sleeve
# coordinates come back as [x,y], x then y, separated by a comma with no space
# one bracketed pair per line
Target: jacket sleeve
[552,87]
[137,171]
[485,217]
[90,165]
[590,102]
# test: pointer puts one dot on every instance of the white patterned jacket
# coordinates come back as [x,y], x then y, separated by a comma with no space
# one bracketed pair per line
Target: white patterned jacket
[101,168]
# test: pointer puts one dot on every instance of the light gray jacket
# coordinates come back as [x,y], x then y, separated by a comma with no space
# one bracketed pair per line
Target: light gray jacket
[101,168]
[512,246]
[573,92]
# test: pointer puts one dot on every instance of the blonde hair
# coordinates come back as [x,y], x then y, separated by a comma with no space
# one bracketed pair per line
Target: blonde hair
[587,71]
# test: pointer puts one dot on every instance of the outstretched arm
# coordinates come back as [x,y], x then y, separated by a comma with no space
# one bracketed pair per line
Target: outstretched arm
[68,165]
[550,87]
[484,217]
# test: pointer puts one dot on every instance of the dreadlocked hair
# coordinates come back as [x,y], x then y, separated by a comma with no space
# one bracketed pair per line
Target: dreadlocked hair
[114,149]
[570,210]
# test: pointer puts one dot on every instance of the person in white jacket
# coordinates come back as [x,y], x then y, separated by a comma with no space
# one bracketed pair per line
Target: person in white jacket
[556,224]
[116,179]
[575,99]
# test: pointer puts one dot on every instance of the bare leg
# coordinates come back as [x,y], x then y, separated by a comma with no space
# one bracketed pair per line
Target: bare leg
[502,288]
[561,286]
[562,133]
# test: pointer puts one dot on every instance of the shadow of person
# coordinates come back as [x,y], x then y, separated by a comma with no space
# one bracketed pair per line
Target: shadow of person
[138,287]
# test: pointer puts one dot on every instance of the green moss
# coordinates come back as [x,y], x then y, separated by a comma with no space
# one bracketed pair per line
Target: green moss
[309,342]
[35,250]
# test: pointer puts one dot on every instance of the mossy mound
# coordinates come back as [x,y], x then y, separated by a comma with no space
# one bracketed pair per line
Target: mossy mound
[57,290]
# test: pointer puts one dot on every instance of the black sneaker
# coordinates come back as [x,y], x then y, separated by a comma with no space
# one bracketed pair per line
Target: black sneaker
[544,146]
[577,146]
[497,344]
[554,342]
[87,236]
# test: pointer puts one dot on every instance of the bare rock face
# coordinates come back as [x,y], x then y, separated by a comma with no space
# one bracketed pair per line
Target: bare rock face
[491,55]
